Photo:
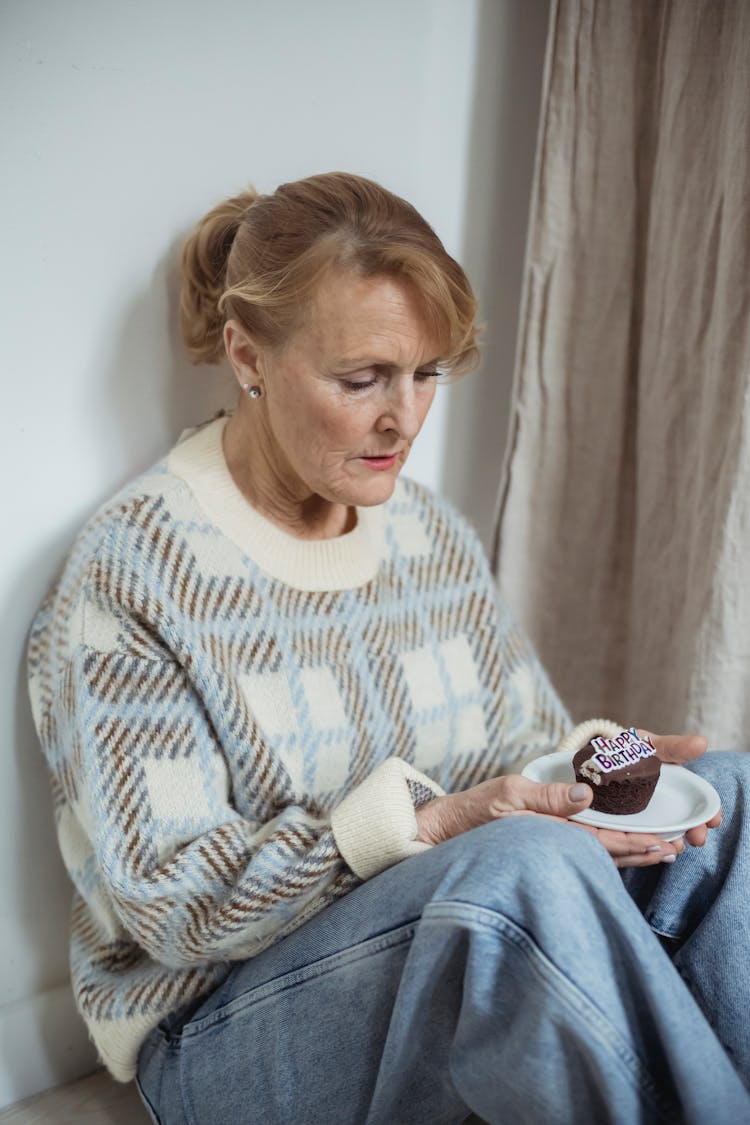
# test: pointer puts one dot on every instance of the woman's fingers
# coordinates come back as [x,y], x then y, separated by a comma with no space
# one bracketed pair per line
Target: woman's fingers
[627,849]
[697,836]
[511,795]
[556,798]
[636,849]
[677,748]
[641,860]
[514,795]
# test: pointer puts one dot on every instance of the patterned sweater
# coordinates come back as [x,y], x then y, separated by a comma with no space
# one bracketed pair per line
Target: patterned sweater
[240,724]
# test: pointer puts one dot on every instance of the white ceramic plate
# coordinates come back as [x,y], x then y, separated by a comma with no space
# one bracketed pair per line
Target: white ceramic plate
[680,801]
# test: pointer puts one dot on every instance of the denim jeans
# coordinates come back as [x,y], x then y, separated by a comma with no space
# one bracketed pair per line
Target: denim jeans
[510,973]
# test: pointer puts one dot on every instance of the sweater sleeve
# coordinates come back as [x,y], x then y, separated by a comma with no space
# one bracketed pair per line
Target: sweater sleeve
[375,826]
[147,823]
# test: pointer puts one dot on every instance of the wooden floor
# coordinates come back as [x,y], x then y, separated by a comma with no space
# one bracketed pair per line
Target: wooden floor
[96,1100]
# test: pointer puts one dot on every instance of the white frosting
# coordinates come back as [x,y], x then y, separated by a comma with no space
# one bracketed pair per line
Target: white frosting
[590,770]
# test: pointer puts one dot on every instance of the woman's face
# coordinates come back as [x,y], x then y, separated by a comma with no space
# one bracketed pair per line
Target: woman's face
[346,397]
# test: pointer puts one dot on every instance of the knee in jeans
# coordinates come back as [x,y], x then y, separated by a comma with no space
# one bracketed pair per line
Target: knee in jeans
[728,771]
[545,857]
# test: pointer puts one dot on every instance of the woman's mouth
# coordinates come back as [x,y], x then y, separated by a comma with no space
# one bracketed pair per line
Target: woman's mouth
[380,463]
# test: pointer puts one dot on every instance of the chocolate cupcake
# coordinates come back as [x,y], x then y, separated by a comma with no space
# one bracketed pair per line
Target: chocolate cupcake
[622,771]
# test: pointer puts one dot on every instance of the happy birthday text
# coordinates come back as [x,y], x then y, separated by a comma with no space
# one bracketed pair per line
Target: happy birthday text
[616,753]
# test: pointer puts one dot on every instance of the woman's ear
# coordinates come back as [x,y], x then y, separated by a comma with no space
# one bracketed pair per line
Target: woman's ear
[243,354]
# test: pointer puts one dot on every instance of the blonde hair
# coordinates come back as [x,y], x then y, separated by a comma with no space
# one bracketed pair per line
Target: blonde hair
[257,259]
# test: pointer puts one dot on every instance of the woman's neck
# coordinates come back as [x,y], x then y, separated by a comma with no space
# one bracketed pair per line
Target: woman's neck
[295,510]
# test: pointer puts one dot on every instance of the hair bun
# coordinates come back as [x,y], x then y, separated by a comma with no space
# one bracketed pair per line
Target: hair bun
[204,267]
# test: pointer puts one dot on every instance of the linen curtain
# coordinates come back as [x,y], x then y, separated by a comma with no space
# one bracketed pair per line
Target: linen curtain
[623,530]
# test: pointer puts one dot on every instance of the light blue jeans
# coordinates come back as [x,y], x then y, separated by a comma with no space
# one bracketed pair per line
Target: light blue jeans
[510,973]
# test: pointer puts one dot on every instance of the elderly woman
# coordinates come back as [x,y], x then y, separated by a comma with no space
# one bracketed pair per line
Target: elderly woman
[284,717]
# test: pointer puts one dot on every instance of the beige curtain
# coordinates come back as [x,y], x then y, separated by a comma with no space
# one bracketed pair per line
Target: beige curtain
[623,531]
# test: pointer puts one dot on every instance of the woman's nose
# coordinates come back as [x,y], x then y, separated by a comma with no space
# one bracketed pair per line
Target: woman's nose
[402,413]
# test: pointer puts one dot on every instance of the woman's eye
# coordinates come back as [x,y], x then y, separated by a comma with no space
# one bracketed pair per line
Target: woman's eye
[362,385]
[351,386]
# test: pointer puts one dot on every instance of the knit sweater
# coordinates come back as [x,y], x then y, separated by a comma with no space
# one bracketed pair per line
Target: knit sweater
[240,724]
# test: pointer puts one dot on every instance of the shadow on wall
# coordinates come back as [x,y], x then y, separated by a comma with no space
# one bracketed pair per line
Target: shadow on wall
[42,891]
[507,95]
[152,391]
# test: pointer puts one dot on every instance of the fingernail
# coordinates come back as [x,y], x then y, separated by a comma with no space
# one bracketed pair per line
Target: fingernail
[654,848]
[578,792]
[669,859]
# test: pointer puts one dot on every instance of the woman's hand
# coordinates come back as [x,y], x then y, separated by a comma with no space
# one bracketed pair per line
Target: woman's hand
[518,796]
[514,795]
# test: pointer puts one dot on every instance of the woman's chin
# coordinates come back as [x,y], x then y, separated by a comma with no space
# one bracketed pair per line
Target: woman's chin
[369,493]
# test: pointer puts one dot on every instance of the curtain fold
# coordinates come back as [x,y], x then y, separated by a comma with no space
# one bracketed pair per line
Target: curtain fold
[623,528]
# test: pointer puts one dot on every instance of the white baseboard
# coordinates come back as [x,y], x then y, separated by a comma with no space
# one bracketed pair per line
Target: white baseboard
[43,1043]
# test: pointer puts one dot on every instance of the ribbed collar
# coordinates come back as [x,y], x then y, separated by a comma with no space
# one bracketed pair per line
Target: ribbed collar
[342,563]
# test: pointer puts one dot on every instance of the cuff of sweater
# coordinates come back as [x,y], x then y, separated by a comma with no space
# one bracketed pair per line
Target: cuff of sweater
[584,732]
[376,825]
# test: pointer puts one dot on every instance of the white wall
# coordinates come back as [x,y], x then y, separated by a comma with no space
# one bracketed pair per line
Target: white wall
[125,122]
[508,65]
